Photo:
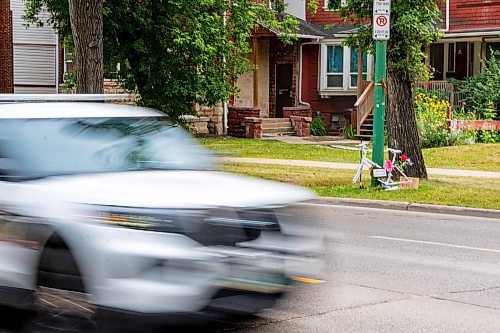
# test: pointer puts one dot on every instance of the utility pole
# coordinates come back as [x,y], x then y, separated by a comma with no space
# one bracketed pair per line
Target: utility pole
[381,34]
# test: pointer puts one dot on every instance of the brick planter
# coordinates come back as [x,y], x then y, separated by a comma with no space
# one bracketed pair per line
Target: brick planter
[299,111]
[301,125]
[253,127]
[236,120]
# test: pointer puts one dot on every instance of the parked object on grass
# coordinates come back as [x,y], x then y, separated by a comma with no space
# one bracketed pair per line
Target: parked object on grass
[390,176]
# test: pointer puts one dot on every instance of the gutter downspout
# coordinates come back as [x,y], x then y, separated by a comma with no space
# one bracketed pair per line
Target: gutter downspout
[447,16]
[57,64]
[301,102]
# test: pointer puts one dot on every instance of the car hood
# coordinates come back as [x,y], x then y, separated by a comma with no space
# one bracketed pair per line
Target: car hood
[171,189]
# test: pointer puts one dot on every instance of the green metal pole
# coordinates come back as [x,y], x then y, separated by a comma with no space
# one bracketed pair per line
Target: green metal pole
[379,104]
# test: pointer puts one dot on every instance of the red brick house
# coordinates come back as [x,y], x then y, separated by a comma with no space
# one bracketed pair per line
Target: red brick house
[330,72]
[471,28]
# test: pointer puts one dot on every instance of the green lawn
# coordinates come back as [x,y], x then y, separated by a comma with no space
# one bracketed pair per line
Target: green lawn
[472,157]
[439,190]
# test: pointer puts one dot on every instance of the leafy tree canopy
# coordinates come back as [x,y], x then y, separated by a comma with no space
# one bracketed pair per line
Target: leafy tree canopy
[414,25]
[176,53]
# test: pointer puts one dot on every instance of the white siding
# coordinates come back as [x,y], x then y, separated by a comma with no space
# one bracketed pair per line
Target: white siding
[296,8]
[35,56]
[33,90]
[34,64]
[32,35]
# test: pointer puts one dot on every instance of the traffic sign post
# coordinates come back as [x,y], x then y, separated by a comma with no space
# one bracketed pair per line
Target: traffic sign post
[381,33]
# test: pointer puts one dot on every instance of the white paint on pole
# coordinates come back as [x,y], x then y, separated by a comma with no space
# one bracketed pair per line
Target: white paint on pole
[381,19]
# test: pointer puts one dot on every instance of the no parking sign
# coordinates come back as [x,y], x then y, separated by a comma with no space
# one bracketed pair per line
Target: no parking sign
[381,19]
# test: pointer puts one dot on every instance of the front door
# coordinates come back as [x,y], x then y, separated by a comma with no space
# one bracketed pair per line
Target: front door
[461,61]
[284,75]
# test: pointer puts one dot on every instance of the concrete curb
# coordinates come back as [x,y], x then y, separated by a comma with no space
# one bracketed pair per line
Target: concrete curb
[413,207]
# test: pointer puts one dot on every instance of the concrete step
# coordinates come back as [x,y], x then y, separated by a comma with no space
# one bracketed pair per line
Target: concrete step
[274,120]
[272,135]
[278,130]
[276,125]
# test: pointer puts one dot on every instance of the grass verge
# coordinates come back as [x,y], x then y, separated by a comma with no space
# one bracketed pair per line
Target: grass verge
[484,157]
[438,190]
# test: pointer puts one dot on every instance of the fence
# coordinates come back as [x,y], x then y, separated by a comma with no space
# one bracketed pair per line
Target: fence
[446,90]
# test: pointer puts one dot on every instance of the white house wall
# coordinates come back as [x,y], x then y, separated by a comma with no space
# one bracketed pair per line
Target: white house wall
[296,8]
[245,81]
[35,54]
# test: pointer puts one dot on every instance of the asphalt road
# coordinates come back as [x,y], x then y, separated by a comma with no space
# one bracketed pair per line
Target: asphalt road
[396,271]
[391,271]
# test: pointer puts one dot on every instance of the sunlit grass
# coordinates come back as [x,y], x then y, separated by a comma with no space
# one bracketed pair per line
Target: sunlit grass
[470,157]
[439,190]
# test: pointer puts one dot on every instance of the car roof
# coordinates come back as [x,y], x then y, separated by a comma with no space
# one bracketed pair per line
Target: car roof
[44,110]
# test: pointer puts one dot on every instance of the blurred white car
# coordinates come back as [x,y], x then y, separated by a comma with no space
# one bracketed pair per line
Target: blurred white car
[109,209]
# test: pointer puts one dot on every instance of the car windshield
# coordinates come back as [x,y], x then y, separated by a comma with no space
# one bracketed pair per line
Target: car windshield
[34,148]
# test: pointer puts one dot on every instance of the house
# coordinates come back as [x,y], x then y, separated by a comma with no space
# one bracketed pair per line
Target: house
[315,75]
[471,28]
[29,57]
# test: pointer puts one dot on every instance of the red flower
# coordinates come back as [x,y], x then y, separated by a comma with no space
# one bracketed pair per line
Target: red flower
[403,158]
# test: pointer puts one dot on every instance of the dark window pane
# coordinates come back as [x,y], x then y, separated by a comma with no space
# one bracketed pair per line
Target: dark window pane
[334,81]
[335,59]
[354,61]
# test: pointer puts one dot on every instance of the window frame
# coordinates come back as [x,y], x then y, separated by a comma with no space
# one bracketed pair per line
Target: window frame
[346,70]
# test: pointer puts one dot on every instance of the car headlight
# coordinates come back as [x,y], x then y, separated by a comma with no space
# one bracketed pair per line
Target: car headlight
[208,227]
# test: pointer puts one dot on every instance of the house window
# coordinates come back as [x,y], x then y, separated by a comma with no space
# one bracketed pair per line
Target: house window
[354,67]
[340,68]
[335,67]
[336,4]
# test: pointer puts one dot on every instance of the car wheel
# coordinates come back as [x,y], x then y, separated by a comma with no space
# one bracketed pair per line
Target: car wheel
[61,303]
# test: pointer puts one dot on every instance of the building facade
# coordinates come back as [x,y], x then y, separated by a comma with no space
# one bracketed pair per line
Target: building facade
[28,55]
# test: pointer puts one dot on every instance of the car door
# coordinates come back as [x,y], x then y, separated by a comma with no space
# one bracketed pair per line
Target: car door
[21,234]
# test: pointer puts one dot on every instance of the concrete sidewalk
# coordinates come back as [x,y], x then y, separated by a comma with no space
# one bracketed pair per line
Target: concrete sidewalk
[352,166]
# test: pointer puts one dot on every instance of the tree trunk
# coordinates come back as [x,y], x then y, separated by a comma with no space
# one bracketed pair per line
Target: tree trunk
[401,122]
[87,28]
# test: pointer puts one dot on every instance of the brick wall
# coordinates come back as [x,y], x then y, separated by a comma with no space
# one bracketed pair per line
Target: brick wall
[323,16]
[474,14]
[6,49]
[281,54]
[236,120]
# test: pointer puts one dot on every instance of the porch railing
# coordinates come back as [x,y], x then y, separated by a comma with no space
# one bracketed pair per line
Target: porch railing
[364,105]
[445,89]
[435,85]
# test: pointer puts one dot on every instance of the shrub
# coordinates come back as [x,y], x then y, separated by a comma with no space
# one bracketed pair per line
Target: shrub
[350,132]
[431,120]
[481,92]
[318,127]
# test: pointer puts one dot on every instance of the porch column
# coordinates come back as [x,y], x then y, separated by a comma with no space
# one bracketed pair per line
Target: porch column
[255,51]
[428,57]
[360,72]
[483,54]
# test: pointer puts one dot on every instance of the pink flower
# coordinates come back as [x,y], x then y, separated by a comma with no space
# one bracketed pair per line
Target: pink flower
[388,166]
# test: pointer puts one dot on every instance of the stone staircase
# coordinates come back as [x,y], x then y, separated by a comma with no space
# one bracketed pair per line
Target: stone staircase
[277,127]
